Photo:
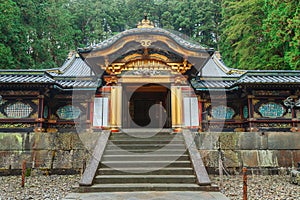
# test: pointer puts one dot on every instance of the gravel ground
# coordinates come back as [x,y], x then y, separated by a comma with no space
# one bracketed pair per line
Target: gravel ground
[260,187]
[56,187]
[36,187]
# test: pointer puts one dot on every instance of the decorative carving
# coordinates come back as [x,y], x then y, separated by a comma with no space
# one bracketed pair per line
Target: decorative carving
[181,67]
[145,43]
[291,103]
[146,72]
[145,23]
[270,93]
[222,112]
[111,80]
[271,110]
[68,112]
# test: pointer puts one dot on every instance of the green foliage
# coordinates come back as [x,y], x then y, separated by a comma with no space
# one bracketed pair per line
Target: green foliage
[28,172]
[242,33]
[282,32]
[261,34]
[251,34]
[48,29]
[12,39]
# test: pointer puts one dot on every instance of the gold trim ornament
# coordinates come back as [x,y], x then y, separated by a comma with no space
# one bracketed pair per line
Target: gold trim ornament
[145,23]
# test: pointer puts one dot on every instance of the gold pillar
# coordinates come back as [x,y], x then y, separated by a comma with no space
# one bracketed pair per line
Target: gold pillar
[113,107]
[176,103]
[179,107]
[119,106]
[173,106]
[116,107]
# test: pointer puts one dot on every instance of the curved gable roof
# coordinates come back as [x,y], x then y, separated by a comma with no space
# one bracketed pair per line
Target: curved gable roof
[142,31]
[98,56]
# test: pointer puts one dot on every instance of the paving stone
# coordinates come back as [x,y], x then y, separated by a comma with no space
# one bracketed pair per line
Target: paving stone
[149,195]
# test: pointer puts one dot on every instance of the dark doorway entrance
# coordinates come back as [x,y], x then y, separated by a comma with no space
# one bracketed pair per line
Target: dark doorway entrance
[148,106]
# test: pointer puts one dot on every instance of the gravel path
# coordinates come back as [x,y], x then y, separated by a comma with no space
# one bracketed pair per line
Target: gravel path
[56,187]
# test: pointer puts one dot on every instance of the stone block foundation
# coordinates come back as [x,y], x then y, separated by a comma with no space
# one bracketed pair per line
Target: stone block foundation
[262,152]
[267,152]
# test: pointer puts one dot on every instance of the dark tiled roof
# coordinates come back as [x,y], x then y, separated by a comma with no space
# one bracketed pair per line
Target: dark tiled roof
[74,73]
[212,84]
[74,66]
[274,79]
[215,67]
[158,31]
[217,84]
[78,83]
[43,79]
[25,78]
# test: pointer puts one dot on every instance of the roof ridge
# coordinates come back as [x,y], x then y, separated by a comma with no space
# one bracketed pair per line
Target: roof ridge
[68,63]
[157,30]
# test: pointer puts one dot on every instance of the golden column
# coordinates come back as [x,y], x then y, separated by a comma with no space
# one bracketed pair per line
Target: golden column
[176,106]
[119,106]
[116,108]
[173,106]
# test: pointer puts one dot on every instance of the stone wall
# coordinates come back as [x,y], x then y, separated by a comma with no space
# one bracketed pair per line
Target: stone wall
[51,151]
[261,151]
[64,151]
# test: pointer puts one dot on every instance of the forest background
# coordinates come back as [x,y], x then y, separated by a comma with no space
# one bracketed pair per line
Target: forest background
[250,34]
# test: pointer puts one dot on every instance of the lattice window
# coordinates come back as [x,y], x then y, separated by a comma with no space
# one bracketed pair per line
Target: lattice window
[18,110]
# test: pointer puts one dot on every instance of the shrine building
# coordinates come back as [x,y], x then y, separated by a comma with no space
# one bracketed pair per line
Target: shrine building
[150,78]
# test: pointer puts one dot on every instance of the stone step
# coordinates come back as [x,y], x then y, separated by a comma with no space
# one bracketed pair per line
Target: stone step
[156,138]
[146,131]
[149,171]
[142,161]
[129,187]
[117,179]
[145,142]
[144,151]
[146,157]
[145,146]
[146,135]
[144,164]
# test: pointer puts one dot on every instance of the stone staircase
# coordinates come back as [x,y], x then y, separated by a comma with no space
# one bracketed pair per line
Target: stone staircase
[142,161]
